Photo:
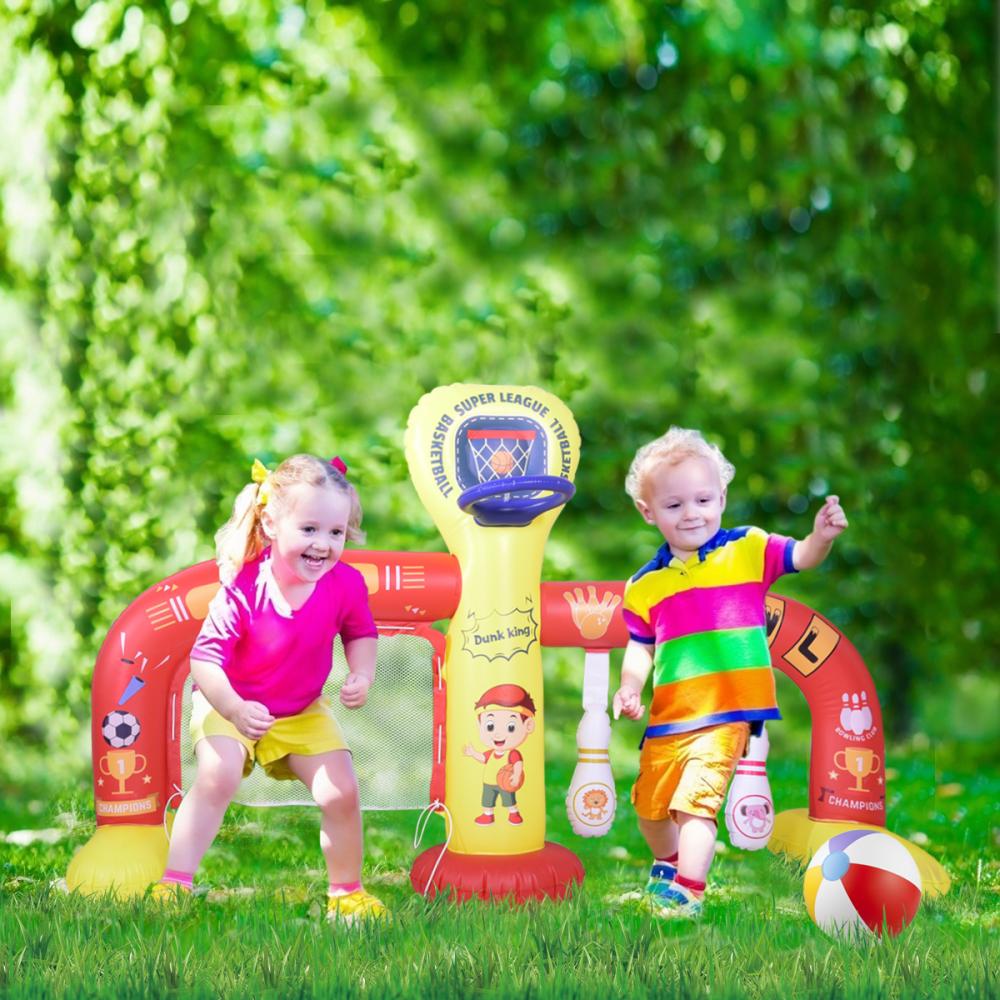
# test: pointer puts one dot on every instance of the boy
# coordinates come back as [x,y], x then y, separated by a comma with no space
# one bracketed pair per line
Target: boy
[506,716]
[695,615]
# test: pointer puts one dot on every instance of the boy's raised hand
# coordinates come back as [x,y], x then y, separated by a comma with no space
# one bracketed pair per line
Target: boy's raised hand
[830,519]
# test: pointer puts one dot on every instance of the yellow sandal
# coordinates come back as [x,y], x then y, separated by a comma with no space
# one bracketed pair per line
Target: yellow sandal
[354,907]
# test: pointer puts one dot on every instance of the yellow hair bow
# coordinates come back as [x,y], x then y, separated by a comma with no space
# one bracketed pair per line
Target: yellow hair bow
[261,475]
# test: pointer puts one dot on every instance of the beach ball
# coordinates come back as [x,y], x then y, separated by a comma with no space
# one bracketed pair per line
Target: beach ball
[861,882]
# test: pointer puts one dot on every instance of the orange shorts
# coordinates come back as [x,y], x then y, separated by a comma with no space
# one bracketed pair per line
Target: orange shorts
[688,772]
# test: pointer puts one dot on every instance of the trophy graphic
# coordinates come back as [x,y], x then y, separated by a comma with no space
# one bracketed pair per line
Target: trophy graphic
[120,765]
[858,762]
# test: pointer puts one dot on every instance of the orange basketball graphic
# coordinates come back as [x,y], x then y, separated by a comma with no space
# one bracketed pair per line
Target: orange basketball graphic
[502,462]
[505,778]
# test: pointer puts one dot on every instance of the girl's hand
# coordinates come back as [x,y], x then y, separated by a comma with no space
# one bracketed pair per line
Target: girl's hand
[354,690]
[628,702]
[252,719]
[830,520]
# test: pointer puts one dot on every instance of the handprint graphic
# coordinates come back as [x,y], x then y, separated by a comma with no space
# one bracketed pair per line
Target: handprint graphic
[591,615]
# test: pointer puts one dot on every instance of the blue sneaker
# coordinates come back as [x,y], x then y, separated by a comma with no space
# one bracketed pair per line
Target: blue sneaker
[660,874]
[669,901]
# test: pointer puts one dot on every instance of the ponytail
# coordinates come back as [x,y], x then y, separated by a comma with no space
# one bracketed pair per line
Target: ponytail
[241,539]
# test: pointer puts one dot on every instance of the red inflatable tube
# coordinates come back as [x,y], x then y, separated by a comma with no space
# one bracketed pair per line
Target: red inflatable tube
[427,586]
[847,755]
[409,586]
[135,699]
[138,682]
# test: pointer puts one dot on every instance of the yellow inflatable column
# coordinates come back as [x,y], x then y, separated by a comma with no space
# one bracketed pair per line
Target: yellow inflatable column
[493,466]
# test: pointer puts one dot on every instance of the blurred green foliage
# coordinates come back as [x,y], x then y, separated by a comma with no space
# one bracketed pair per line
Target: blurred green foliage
[245,228]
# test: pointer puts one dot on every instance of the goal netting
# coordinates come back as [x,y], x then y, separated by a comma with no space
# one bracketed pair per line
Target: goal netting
[396,737]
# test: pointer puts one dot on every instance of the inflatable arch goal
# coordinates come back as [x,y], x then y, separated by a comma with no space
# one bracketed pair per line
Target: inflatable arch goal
[493,466]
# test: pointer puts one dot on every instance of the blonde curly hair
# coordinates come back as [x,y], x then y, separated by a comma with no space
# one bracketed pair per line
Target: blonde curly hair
[669,449]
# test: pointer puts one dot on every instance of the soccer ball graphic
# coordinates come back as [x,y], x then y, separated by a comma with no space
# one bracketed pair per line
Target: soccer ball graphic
[120,729]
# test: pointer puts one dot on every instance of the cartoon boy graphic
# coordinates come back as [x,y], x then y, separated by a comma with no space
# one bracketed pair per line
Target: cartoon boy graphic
[506,719]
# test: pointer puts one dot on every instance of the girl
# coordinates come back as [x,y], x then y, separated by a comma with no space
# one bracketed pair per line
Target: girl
[260,662]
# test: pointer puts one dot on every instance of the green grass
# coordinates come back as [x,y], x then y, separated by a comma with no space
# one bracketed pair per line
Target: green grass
[259,931]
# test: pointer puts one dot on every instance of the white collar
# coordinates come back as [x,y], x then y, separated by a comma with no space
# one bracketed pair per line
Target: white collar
[268,587]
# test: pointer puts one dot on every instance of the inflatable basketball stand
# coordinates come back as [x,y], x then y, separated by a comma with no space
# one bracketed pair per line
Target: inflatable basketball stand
[493,466]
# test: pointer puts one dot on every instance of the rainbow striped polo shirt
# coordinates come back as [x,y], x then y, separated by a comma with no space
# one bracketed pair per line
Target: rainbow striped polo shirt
[706,619]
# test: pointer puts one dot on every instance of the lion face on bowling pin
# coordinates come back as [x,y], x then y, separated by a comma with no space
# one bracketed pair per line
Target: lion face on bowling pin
[595,803]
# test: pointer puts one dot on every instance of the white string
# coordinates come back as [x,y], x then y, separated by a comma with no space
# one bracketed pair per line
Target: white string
[166,806]
[418,835]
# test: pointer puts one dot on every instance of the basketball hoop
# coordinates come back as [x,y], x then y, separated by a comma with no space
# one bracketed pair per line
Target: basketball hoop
[507,492]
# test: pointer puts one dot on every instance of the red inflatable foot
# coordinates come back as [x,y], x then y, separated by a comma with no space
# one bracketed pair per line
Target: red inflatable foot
[546,874]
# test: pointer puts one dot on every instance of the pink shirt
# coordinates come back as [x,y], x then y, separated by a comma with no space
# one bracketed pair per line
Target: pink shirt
[272,654]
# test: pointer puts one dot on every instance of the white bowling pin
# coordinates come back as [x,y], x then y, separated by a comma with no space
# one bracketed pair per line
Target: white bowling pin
[856,717]
[866,713]
[749,806]
[591,800]
[845,712]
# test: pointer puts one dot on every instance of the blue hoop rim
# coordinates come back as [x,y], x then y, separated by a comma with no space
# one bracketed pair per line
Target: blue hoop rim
[515,512]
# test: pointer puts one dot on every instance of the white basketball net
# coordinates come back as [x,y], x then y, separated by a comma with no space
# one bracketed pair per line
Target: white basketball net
[499,456]
[390,736]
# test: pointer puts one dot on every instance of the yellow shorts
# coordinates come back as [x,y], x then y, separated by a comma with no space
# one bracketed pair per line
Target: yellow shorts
[314,730]
[688,772]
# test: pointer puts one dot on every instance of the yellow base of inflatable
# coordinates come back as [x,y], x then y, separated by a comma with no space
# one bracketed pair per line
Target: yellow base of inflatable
[798,836]
[123,860]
